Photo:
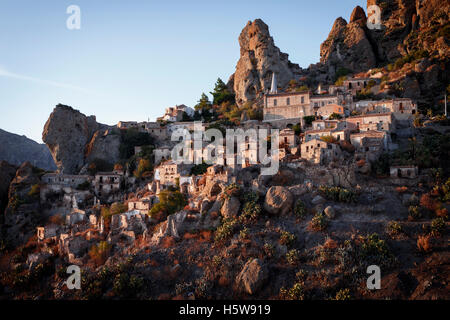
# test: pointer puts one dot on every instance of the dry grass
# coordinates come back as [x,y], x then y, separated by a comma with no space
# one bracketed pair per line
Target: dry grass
[330,244]
[168,242]
[428,202]
[424,243]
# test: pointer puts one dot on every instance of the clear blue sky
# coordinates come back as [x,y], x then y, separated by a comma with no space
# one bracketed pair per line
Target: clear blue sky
[131,59]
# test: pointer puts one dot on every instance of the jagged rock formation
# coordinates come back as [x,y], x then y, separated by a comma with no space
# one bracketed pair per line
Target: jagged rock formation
[406,25]
[17,149]
[259,58]
[75,140]
[347,47]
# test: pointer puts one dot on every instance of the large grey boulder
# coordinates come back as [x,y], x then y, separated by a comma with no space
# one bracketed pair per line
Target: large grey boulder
[230,207]
[278,200]
[252,277]
[318,200]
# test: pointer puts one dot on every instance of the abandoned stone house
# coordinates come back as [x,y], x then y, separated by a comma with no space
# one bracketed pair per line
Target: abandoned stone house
[73,246]
[369,122]
[338,135]
[72,181]
[127,124]
[369,145]
[288,138]
[355,85]
[189,184]
[156,130]
[168,173]
[161,154]
[219,173]
[143,205]
[106,183]
[174,114]
[335,89]
[406,171]
[326,111]
[75,216]
[324,124]
[319,151]
[47,232]
[127,226]
[398,106]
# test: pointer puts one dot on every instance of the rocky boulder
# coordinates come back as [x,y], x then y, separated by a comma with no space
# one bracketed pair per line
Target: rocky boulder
[75,140]
[252,277]
[330,212]
[230,207]
[172,227]
[278,200]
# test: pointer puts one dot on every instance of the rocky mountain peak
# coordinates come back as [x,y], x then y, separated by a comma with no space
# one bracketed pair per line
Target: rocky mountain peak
[358,15]
[259,58]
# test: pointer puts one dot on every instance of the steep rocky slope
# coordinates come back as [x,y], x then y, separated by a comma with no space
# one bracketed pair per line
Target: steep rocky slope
[22,213]
[7,173]
[259,58]
[17,149]
[75,140]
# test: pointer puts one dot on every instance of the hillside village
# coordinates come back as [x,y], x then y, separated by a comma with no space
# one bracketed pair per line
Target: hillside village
[362,180]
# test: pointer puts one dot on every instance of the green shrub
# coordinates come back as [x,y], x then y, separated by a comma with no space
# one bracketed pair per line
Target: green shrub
[394,228]
[338,194]
[293,256]
[269,250]
[232,190]
[319,222]
[225,230]
[375,250]
[308,120]
[144,166]
[300,209]
[244,233]
[287,238]
[294,293]
[437,227]
[343,294]
[250,212]
[169,203]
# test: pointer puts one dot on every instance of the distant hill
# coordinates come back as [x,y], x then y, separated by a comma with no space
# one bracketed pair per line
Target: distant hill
[17,149]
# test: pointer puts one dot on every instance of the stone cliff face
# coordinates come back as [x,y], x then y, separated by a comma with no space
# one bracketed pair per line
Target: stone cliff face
[259,58]
[75,140]
[17,149]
